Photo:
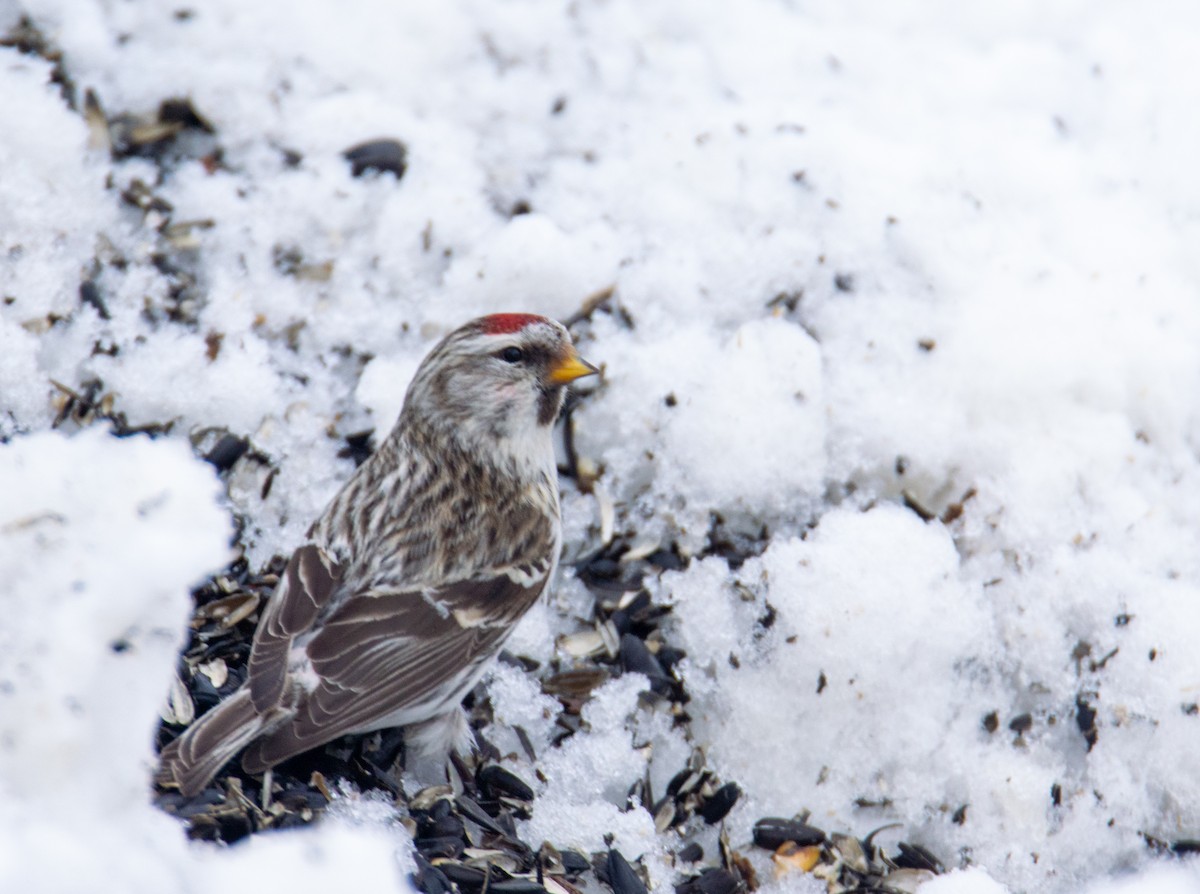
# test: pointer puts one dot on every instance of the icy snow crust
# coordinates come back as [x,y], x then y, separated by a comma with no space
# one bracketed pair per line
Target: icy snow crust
[864,255]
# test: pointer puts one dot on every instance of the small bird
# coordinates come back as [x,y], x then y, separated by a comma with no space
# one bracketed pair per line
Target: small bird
[419,568]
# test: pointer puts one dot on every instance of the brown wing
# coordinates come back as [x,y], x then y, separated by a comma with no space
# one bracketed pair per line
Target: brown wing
[307,585]
[381,653]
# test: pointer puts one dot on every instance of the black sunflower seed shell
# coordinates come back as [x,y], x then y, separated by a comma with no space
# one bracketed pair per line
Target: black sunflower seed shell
[377,155]
[636,658]
[711,881]
[463,875]
[621,877]
[913,856]
[440,846]
[516,886]
[495,781]
[574,863]
[771,831]
[718,806]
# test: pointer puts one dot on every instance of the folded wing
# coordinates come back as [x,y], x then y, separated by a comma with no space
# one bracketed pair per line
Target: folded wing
[389,658]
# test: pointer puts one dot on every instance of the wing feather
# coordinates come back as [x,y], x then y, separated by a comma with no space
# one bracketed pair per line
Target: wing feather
[379,654]
[307,585]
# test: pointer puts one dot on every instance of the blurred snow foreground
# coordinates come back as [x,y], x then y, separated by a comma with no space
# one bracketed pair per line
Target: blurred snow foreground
[907,296]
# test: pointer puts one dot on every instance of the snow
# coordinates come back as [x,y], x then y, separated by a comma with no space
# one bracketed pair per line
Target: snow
[99,541]
[863,255]
[870,610]
[963,881]
[767,455]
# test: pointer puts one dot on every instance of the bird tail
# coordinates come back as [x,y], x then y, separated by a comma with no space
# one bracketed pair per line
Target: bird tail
[193,759]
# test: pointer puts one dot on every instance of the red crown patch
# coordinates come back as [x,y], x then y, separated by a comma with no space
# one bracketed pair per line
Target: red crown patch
[506,324]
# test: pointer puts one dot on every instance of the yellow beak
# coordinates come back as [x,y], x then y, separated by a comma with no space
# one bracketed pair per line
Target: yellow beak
[569,368]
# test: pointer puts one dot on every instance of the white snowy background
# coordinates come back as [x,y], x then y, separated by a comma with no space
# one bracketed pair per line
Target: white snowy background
[869,250]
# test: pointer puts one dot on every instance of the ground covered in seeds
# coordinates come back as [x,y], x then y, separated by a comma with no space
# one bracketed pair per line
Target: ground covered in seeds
[880,566]
[465,829]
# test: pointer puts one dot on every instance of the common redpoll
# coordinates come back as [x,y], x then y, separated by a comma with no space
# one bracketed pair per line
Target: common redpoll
[419,568]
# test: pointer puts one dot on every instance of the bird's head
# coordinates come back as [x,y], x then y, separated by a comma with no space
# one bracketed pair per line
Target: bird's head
[500,379]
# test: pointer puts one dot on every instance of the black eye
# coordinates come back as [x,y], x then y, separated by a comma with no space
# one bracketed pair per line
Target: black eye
[512,355]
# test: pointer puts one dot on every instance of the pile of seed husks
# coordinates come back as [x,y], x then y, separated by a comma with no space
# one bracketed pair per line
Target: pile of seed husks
[465,831]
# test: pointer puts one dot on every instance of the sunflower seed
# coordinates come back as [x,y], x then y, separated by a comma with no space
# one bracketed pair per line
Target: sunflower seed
[913,856]
[720,803]
[478,815]
[712,881]
[575,684]
[517,886]
[636,658]
[640,550]
[851,852]
[905,881]
[97,123]
[791,857]
[621,876]
[495,781]
[612,638]
[229,611]
[180,708]
[145,133]
[484,857]
[378,156]
[607,514]
[574,863]
[556,886]
[770,832]
[584,644]
[462,874]
[216,670]
[427,797]
[439,846]
[664,815]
